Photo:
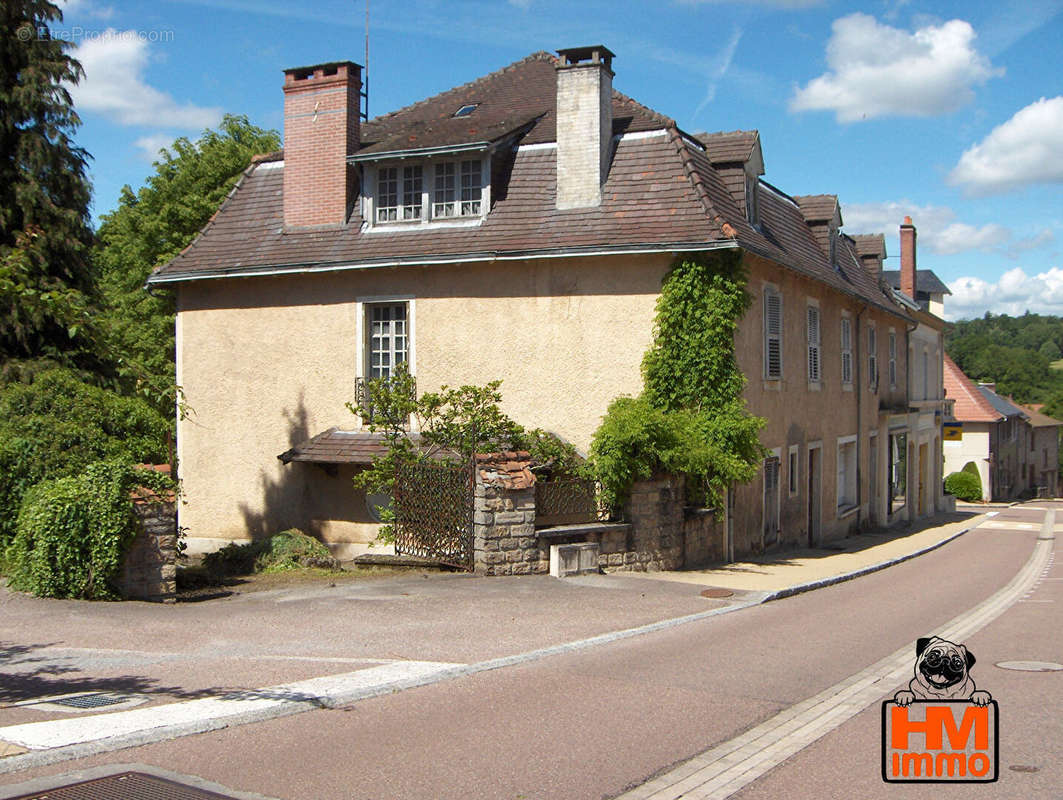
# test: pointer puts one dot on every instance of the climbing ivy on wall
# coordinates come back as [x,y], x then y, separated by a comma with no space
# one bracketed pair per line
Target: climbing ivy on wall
[690,418]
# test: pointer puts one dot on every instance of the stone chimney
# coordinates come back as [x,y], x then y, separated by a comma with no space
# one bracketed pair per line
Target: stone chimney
[908,258]
[321,128]
[584,125]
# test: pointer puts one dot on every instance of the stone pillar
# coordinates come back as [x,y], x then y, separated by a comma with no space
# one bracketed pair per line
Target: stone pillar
[655,509]
[149,570]
[504,540]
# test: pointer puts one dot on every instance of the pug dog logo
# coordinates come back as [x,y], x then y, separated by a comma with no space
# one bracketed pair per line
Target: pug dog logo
[942,728]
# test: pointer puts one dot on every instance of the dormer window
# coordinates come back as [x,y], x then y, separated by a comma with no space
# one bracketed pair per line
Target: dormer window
[834,247]
[429,191]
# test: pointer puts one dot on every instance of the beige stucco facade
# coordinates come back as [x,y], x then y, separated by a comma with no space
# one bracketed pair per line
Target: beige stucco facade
[267,362]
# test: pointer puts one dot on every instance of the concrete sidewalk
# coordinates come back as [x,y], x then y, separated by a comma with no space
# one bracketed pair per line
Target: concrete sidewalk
[791,572]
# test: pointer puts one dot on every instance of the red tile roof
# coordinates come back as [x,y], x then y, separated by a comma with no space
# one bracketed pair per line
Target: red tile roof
[971,404]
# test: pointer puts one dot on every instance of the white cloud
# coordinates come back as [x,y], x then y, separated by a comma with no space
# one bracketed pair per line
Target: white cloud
[877,70]
[151,145]
[1039,239]
[114,85]
[938,230]
[1026,149]
[1014,293]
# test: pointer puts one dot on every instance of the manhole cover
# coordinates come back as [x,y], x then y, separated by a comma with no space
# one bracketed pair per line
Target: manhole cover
[1031,666]
[1023,768]
[715,593]
[126,786]
[90,700]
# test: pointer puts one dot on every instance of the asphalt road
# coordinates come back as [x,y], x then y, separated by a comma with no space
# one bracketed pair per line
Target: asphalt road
[597,722]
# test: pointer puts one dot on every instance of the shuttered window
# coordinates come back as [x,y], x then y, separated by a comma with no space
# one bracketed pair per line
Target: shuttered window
[847,350]
[893,359]
[772,334]
[813,345]
[771,500]
[872,358]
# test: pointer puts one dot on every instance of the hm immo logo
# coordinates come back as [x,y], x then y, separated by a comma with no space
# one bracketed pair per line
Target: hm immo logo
[941,729]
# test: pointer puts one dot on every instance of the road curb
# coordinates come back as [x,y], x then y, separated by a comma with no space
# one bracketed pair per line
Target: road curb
[790,591]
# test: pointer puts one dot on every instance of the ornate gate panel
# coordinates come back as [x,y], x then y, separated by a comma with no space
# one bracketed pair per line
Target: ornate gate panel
[434,512]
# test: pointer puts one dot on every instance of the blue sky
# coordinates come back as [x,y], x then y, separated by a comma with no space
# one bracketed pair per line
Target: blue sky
[949,112]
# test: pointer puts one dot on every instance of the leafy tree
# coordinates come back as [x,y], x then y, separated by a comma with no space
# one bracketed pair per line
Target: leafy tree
[149,228]
[55,423]
[46,282]
[1050,350]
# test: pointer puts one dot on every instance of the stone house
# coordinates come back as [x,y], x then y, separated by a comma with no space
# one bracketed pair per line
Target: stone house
[1043,463]
[518,227]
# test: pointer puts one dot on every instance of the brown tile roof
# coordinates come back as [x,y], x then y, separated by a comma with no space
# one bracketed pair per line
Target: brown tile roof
[662,192]
[817,207]
[971,404]
[337,447]
[870,244]
[1037,419]
[731,147]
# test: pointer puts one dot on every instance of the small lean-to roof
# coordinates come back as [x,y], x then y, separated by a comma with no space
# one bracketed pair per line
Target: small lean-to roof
[335,446]
[925,281]
[971,404]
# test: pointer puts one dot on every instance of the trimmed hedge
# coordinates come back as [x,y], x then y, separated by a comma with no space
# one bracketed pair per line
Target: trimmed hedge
[964,486]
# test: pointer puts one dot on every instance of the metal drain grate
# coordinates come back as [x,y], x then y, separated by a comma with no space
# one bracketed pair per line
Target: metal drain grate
[90,701]
[126,786]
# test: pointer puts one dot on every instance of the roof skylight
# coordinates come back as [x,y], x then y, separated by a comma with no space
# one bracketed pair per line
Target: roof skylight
[464,111]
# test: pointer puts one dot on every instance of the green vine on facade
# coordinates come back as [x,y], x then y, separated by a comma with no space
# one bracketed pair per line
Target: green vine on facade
[690,419]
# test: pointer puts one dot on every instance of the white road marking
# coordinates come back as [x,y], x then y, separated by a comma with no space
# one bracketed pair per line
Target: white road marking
[1018,526]
[327,691]
[725,769]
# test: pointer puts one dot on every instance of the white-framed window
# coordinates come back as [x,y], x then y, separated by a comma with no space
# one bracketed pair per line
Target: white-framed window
[812,329]
[893,359]
[872,358]
[846,473]
[846,330]
[430,191]
[387,338]
[771,498]
[793,471]
[772,334]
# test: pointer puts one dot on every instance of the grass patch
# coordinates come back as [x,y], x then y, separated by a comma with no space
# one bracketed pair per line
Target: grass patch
[1057,364]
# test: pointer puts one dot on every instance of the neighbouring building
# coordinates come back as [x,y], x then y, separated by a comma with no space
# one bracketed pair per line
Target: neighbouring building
[1043,462]
[518,227]
[995,436]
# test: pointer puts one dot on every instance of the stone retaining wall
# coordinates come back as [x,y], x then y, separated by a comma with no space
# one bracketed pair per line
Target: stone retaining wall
[658,534]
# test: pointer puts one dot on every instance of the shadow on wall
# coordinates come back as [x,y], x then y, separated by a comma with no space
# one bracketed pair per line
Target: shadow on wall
[285,492]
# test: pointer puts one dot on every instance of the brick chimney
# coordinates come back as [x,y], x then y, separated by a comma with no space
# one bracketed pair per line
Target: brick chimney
[584,125]
[321,128]
[908,258]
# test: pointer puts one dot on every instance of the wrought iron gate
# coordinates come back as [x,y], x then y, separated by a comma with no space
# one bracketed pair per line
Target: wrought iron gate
[434,512]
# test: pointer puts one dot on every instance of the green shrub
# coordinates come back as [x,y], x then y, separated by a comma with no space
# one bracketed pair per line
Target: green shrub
[55,424]
[290,549]
[72,532]
[690,419]
[972,469]
[964,486]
